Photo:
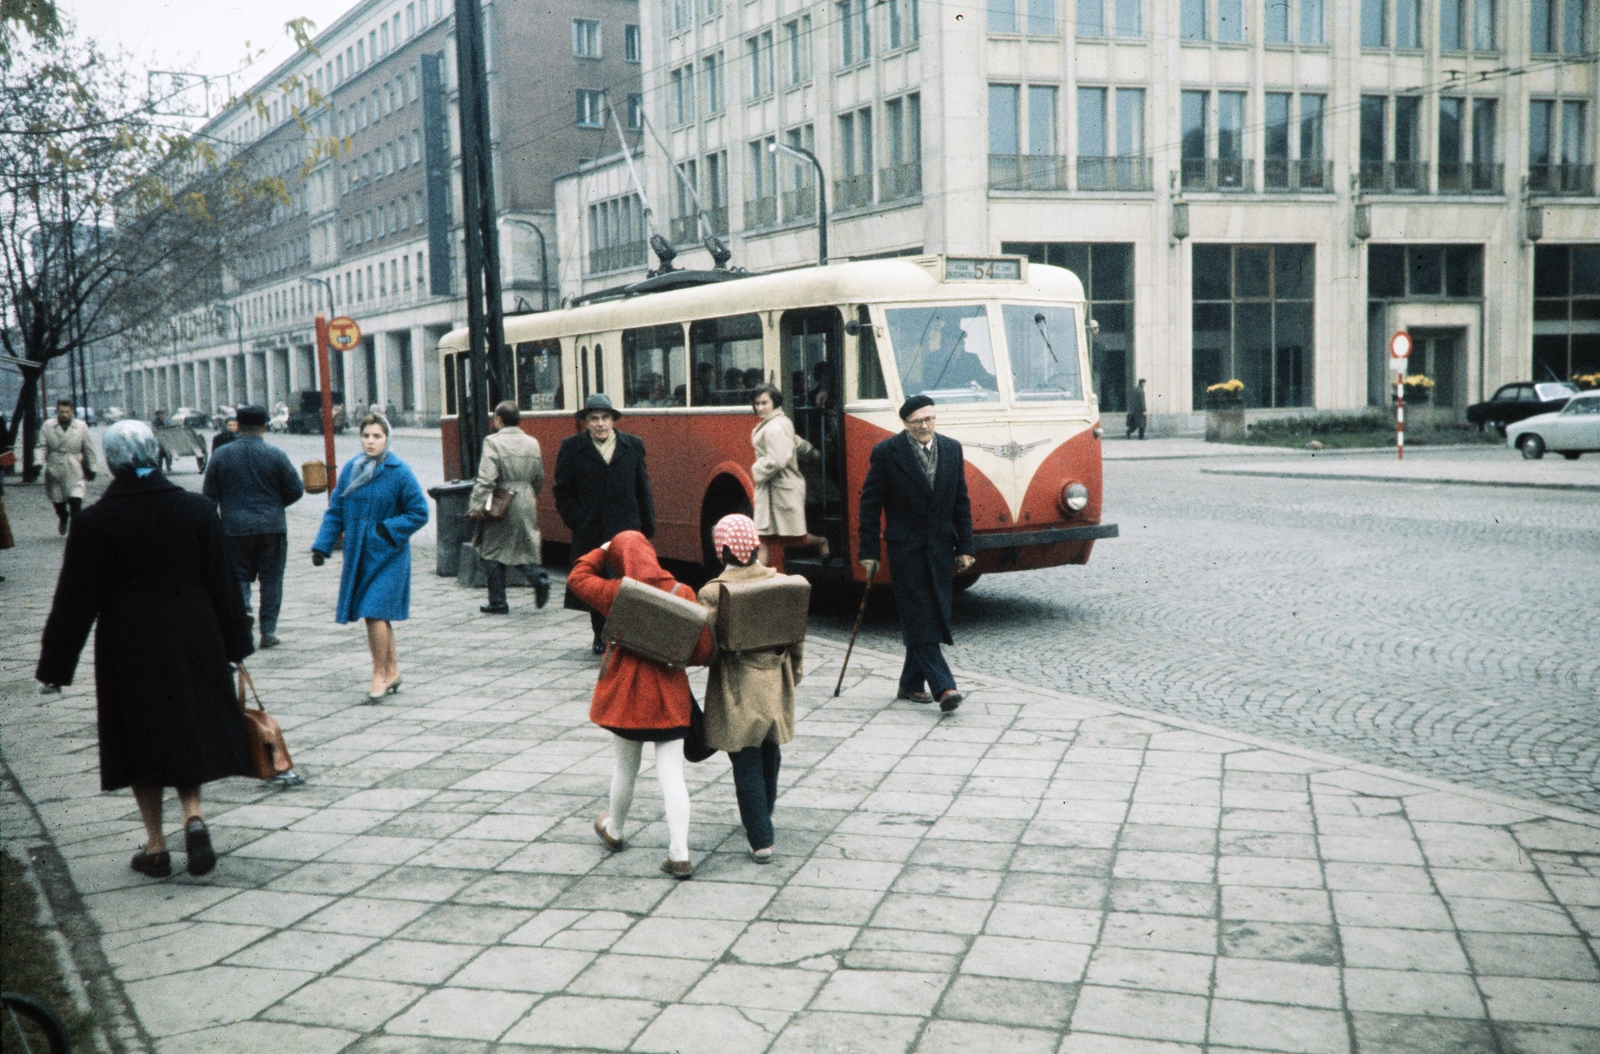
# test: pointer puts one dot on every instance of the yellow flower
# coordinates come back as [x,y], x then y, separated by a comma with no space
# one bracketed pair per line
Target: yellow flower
[1234,385]
[1419,380]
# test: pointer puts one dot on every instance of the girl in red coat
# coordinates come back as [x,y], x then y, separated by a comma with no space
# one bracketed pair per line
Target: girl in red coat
[640,701]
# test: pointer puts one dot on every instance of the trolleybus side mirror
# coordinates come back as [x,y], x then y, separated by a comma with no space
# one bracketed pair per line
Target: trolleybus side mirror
[852,327]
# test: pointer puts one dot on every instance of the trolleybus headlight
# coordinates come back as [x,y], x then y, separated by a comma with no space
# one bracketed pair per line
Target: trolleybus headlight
[1074,496]
[1099,432]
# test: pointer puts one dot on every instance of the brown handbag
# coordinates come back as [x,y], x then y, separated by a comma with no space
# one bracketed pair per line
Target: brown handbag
[498,505]
[269,755]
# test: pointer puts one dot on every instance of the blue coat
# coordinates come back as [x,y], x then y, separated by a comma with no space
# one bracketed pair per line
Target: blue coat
[376,580]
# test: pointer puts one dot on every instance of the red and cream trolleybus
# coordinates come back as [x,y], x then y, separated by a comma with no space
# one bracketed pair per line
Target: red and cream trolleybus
[999,344]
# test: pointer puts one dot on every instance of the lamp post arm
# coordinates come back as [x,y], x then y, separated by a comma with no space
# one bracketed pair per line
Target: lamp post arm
[803,154]
[544,260]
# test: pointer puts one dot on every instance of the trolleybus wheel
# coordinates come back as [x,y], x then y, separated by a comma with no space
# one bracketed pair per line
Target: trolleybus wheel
[966,582]
[35,1025]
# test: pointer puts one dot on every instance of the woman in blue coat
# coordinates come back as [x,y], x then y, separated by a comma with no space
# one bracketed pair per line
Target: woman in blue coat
[377,505]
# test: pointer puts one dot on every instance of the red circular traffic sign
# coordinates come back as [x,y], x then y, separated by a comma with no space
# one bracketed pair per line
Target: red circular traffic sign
[1400,345]
[343,334]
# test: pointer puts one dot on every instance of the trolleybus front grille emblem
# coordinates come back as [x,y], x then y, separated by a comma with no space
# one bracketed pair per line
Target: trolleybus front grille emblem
[1010,451]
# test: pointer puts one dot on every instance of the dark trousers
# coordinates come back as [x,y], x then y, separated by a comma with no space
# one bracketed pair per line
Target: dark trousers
[1135,421]
[263,556]
[755,784]
[598,621]
[67,510]
[925,665]
[495,574]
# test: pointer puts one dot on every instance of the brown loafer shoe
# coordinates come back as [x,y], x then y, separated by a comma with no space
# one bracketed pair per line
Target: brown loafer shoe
[949,700]
[678,869]
[156,865]
[616,845]
[915,697]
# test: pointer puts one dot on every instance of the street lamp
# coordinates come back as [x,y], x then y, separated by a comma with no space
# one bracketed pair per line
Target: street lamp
[822,193]
[544,260]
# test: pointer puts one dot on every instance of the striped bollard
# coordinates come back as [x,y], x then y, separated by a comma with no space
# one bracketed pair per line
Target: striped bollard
[1400,417]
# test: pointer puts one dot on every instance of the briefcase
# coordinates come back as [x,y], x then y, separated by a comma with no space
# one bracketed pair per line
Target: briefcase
[766,613]
[655,624]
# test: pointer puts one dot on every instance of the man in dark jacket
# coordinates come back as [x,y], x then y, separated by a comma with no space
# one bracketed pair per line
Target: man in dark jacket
[918,480]
[230,432]
[1136,410]
[601,489]
[253,483]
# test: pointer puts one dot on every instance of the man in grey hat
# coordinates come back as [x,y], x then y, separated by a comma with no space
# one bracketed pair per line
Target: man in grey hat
[601,489]
[252,483]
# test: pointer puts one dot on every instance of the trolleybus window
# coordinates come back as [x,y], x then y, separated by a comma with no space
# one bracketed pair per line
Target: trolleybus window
[653,366]
[728,359]
[869,371]
[450,384]
[539,375]
[944,352]
[1043,345]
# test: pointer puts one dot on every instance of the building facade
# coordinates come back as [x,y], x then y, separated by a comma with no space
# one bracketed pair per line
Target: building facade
[372,227]
[1251,189]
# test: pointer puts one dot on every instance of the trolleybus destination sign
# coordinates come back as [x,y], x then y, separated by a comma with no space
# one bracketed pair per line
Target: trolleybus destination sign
[343,334]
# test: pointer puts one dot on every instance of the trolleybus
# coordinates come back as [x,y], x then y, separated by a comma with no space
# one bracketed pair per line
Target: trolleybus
[1000,344]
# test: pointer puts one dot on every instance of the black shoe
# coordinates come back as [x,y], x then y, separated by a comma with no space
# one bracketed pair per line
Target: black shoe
[949,700]
[270,640]
[197,846]
[61,527]
[598,647]
[495,609]
[541,591]
[156,865]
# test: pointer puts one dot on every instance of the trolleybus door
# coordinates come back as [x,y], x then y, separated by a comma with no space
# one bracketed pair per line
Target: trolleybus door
[591,365]
[810,369]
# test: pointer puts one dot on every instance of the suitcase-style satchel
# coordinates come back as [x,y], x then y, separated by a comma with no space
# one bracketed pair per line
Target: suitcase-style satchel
[496,508]
[655,624]
[269,755]
[766,613]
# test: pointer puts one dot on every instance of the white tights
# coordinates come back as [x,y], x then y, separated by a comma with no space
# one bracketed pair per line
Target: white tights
[669,770]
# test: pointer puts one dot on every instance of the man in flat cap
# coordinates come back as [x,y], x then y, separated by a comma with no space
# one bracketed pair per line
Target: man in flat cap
[252,483]
[917,481]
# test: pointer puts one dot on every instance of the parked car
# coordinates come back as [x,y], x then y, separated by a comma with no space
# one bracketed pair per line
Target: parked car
[307,418]
[1572,431]
[1516,402]
[113,414]
[189,417]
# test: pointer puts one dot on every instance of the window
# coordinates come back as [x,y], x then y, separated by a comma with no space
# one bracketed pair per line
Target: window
[1092,18]
[590,108]
[1252,308]
[1230,21]
[729,359]
[761,193]
[945,352]
[1566,308]
[632,44]
[1192,20]
[1276,114]
[682,80]
[1406,31]
[710,8]
[538,372]
[1484,113]
[1415,272]
[904,29]
[1042,120]
[854,188]
[1280,19]
[1312,108]
[635,110]
[1230,125]
[797,45]
[1092,122]
[759,57]
[1002,16]
[679,12]
[1557,26]
[616,234]
[711,67]
[1106,270]
[1483,25]
[1042,343]
[855,31]
[586,38]
[1374,23]
[1041,17]
[653,367]
[1004,114]
[903,177]
[1092,15]
[1196,107]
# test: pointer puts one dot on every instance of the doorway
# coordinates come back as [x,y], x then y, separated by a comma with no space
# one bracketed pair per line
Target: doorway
[1440,355]
[810,368]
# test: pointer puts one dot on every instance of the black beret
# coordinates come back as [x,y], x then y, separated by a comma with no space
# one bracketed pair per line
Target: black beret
[913,404]
[251,416]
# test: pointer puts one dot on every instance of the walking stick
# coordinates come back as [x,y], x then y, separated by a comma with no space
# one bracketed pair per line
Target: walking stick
[862,610]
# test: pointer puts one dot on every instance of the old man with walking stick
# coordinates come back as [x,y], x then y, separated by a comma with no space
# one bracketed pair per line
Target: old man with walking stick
[917,484]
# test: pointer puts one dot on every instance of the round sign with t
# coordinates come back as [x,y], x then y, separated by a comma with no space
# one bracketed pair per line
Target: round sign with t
[343,334]
[1399,351]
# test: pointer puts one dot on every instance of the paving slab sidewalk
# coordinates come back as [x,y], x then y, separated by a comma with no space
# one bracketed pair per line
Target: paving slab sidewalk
[1035,872]
[1462,466]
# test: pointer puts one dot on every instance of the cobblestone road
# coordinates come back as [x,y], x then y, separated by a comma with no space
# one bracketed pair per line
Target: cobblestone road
[1450,631]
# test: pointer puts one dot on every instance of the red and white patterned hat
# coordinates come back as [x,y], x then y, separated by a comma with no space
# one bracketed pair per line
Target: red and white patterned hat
[738,533]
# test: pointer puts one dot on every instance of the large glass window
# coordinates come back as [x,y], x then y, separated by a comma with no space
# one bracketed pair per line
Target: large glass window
[653,367]
[944,352]
[539,375]
[1566,311]
[1106,270]
[1043,345]
[729,359]
[1253,320]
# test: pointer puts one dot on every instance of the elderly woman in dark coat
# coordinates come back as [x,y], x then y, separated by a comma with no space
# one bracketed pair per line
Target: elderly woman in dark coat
[146,562]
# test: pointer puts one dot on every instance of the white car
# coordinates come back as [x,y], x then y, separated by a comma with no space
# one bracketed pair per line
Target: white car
[1572,431]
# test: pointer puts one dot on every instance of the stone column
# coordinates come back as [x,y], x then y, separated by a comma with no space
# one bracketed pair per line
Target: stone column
[424,373]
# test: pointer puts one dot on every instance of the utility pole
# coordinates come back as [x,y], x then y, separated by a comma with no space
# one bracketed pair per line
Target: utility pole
[489,372]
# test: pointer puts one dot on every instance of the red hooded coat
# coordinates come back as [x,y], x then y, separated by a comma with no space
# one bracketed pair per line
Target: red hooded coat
[634,693]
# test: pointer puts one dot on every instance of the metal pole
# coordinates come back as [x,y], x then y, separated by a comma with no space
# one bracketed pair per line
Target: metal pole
[822,195]
[1400,415]
[325,383]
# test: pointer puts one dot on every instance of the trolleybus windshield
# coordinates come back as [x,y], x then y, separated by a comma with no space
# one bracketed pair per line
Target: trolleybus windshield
[1042,343]
[944,351]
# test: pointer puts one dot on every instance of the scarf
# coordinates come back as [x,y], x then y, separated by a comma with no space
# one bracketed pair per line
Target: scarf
[929,458]
[607,448]
[365,471]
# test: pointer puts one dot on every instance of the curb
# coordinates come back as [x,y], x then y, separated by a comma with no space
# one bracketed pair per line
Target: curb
[1433,480]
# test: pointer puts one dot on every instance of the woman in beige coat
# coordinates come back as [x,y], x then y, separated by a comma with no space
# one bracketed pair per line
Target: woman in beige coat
[511,460]
[780,486]
[750,694]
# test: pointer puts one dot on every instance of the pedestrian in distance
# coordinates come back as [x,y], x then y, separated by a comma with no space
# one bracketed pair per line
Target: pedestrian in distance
[66,450]
[159,420]
[230,429]
[601,489]
[639,700]
[749,694]
[1136,410]
[510,460]
[377,505]
[252,482]
[917,486]
[780,505]
[145,566]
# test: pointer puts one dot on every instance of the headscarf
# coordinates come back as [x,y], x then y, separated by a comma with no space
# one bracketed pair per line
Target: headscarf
[131,446]
[737,533]
[368,466]
[632,556]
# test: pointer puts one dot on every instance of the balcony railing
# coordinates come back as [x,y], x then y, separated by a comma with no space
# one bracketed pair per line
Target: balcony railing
[898,182]
[853,192]
[1472,177]
[761,212]
[717,216]
[799,204]
[685,230]
[1114,173]
[1561,179]
[1027,172]
[1283,174]
[1218,173]
[617,257]
[1394,177]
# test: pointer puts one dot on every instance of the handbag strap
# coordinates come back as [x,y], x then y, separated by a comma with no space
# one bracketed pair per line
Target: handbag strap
[246,680]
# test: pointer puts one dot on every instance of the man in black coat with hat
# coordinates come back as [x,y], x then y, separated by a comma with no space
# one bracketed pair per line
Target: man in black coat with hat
[917,481]
[601,489]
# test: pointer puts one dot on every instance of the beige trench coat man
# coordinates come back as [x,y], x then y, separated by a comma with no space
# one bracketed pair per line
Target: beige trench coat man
[780,486]
[749,695]
[511,459]
[68,457]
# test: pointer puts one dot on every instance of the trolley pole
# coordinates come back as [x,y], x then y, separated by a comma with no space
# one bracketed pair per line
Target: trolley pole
[325,381]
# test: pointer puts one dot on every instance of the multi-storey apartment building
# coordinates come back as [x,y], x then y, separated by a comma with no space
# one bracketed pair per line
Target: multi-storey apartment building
[1251,189]
[373,230]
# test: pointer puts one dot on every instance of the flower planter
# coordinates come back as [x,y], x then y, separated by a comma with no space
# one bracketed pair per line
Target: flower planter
[1225,420]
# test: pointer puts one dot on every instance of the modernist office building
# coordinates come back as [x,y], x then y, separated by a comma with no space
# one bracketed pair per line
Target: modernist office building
[377,226]
[1259,189]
